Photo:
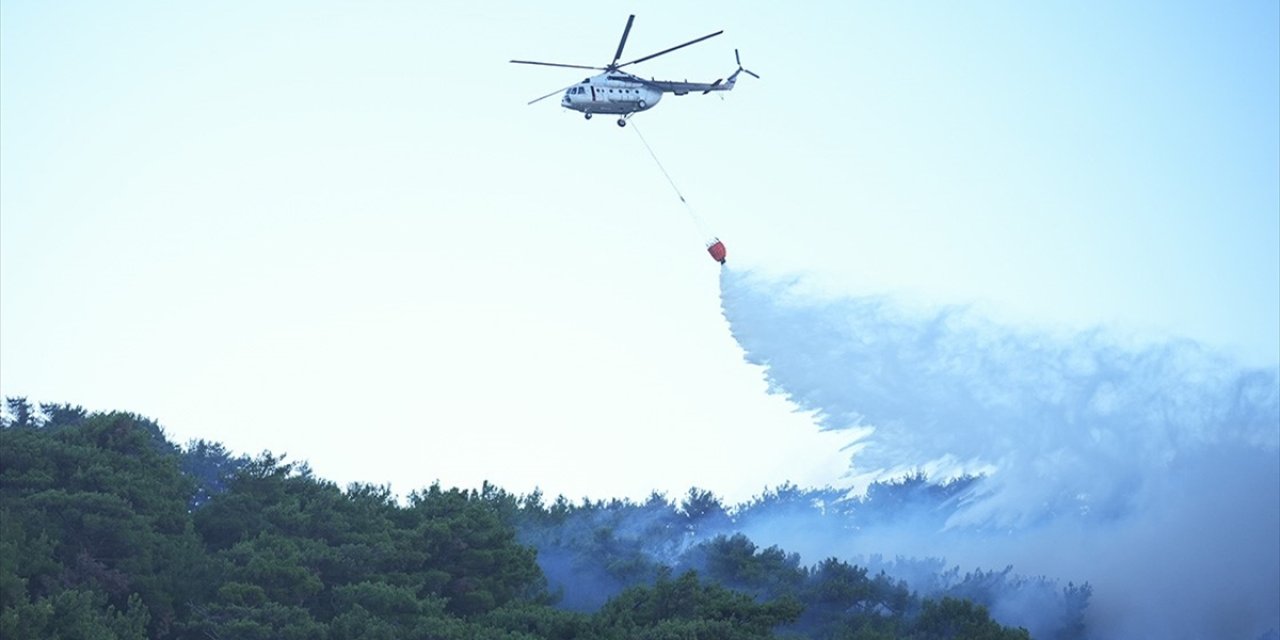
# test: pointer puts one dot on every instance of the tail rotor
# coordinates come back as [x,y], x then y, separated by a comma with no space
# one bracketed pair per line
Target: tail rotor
[749,72]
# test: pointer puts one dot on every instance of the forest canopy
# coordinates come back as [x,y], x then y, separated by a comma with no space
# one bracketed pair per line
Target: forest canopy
[109,530]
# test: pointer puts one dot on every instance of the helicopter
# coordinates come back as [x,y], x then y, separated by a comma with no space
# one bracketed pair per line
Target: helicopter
[623,94]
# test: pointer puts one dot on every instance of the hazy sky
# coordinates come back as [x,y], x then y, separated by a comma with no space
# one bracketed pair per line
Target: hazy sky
[335,230]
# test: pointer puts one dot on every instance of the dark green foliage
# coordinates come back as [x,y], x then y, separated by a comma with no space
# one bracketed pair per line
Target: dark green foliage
[108,531]
[599,543]
[840,599]
[211,466]
[73,614]
[738,563]
[356,561]
[952,619]
[19,414]
[591,551]
[688,608]
[58,416]
[541,621]
[94,517]
[600,548]
[476,555]
[703,510]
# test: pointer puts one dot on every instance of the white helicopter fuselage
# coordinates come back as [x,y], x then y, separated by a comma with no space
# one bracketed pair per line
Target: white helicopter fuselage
[619,93]
[613,92]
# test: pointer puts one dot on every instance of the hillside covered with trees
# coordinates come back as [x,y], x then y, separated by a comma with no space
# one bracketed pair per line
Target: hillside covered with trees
[108,530]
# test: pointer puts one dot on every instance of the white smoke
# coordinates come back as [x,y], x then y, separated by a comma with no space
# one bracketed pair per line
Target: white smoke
[1151,471]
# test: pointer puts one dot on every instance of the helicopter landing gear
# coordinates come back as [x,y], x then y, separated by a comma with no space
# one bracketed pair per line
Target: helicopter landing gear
[587,115]
[622,122]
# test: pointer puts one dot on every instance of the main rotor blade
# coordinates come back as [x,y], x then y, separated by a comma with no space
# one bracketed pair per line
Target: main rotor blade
[752,74]
[556,64]
[666,51]
[623,41]
[560,90]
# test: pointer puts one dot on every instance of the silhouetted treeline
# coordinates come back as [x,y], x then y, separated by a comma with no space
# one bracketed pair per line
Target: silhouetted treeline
[107,530]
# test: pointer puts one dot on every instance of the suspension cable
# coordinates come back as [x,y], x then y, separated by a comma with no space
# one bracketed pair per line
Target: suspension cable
[659,163]
[689,209]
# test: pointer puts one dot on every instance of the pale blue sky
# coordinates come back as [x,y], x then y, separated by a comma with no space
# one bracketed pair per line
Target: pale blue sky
[335,229]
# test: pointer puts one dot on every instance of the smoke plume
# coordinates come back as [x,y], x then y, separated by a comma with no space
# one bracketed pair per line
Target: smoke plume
[1149,470]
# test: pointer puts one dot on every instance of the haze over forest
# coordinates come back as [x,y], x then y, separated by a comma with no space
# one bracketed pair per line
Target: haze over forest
[1102,457]
[111,531]
[1003,483]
